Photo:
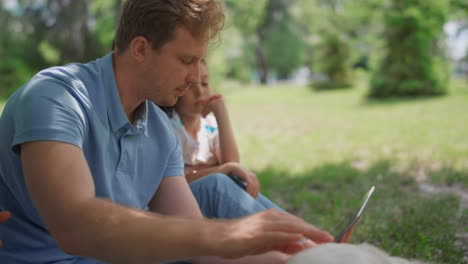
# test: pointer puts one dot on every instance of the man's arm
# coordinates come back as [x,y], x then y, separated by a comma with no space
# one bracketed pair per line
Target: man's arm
[61,186]
[174,197]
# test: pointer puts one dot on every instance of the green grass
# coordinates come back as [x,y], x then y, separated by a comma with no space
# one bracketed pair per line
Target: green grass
[317,153]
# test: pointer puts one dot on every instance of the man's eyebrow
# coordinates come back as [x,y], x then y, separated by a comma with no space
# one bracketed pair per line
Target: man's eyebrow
[186,54]
[201,58]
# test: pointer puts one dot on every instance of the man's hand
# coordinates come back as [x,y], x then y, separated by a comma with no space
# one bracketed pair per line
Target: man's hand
[270,230]
[235,169]
[4,216]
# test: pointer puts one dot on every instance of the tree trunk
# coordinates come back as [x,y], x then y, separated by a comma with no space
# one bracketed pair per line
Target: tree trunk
[262,65]
[71,33]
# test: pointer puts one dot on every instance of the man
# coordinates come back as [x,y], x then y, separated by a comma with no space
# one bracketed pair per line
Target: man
[91,170]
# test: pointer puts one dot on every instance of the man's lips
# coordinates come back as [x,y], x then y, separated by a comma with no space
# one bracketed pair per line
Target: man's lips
[181,91]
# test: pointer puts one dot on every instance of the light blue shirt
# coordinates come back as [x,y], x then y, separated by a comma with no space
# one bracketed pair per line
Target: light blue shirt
[80,104]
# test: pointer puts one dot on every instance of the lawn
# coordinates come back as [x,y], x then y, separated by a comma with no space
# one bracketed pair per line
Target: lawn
[317,153]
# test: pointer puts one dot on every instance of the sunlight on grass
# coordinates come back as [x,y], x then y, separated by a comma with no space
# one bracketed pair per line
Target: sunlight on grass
[295,128]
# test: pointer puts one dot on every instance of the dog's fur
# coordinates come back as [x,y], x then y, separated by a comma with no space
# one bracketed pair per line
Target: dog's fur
[334,253]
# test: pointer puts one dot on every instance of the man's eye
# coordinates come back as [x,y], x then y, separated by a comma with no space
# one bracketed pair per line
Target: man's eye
[204,84]
[187,60]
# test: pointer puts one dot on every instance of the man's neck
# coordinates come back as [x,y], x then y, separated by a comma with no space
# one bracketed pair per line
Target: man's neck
[124,80]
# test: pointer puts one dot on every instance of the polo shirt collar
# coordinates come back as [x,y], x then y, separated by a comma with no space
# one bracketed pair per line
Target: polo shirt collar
[141,117]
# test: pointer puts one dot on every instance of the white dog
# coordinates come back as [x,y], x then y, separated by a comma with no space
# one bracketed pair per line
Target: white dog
[334,253]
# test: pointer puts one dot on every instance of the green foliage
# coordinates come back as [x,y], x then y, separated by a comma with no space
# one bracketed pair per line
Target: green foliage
[334,59]
[246,15]
[19,56]
[340,30]
[104,28]
[262,36]
[231,59]
[413,63]
[36,35]
[284,49]
[14,73]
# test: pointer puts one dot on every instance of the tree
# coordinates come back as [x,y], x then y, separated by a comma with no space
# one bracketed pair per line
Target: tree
[271,35]
[413,63]
[280,38]
[39,34]
[334,56]
[239,56]
[335,60]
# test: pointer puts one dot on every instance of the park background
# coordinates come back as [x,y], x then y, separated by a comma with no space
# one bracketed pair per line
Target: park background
[327,98]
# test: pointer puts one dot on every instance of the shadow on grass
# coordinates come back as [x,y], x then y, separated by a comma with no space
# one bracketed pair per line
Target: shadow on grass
[399,218]
[458,87]
[373,102]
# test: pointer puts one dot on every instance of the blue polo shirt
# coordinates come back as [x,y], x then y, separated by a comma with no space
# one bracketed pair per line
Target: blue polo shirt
[80,104]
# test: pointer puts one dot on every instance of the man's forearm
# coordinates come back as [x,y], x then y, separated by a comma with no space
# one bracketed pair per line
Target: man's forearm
[110,232]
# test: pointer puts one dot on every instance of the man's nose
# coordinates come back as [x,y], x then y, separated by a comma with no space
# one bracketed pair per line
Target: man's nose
[193,77]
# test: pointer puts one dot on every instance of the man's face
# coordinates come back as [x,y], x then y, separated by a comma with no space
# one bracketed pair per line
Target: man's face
[172,69]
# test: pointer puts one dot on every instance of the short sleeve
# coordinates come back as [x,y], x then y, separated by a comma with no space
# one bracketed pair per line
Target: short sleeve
[48,110]
[175,164]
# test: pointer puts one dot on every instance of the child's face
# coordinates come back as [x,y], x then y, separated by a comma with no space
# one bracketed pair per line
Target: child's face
[190,103]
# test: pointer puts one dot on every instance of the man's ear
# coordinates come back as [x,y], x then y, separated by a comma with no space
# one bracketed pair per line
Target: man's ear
[139,48]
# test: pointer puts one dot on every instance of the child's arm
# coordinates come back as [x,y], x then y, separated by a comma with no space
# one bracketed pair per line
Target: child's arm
[227,141]
[230,168]
[3,217]
[193,173]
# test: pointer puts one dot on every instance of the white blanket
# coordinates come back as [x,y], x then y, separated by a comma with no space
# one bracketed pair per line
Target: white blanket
[333,253]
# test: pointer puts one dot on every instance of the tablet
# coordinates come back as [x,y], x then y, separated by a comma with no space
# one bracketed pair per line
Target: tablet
[353,221]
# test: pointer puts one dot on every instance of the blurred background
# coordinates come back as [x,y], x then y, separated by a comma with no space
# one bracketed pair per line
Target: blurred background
[265,41]
[327,97]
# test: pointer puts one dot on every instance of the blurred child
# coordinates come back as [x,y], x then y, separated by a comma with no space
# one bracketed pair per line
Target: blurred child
[202,125]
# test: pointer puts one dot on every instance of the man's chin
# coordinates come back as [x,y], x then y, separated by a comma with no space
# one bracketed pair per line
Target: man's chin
[167,103]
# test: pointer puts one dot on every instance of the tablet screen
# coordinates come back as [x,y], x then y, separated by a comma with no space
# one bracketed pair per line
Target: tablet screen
[356,217]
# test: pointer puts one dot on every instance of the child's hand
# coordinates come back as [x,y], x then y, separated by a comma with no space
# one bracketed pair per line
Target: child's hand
[235,169]
[3,217]
[212,104]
